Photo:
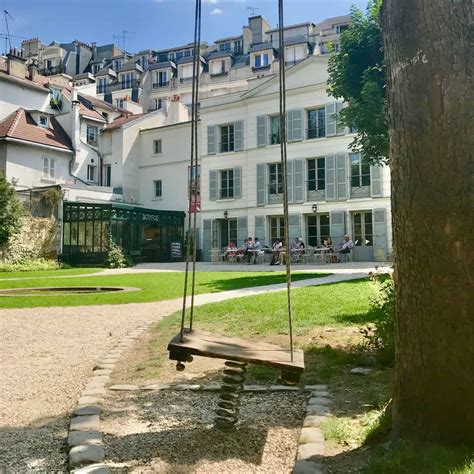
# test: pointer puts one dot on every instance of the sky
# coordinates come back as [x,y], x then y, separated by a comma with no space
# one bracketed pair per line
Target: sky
[152,24]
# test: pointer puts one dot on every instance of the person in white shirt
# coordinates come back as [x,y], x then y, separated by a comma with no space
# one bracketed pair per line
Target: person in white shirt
[345,247]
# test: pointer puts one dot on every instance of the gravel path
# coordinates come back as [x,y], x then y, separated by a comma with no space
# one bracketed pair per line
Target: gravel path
[46,357]
[172,432]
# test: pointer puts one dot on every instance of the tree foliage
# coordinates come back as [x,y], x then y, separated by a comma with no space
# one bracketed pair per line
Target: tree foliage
[357,75]
[10,212]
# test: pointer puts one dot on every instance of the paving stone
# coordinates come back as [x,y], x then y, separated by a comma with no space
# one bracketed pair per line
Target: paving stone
[360,370]
[255,388]
[110,360]
[316,387]
[319,401]
[212,387]
[320,393]
[317,410]
[94,391]
[100,378]
[113,355]
[102,372]
[80,455]
[311,435]
[156,386]
[284,388]
[90,400]
[87,410]
[313,421]
[79,438]
[93,469]
[101,365]
[124,387]
[85,423]
[310,450]
[185,386]
[307,467]
[93,385]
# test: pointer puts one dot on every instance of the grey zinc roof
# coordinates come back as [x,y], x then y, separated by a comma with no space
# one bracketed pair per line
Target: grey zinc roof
[106,72]
[229,38]
[188,59]
[219,54]
[260,47]
[84,75]
[130,67]
[296,40]
[162,65]
[289,27]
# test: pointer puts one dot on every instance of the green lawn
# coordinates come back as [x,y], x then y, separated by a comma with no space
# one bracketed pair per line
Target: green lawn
[50,273]
[154,287]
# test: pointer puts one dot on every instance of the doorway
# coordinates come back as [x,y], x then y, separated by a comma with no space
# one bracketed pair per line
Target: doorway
[227,232]
[363,236]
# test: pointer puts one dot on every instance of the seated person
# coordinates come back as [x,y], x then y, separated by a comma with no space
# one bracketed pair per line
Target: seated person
[328,242]
[276,247]
[256,249]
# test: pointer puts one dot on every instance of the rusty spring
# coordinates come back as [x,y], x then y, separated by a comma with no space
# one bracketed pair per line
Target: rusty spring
[227,413]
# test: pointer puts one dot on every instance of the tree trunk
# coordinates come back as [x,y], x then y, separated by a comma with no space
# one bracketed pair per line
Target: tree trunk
[428,54]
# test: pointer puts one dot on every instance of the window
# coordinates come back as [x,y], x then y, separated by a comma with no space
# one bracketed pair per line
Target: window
[163,79]
[363,229]
[158,188]
[117,64]
[218,67]
[318,229]
[227,138]
[238,46]
[43,121]
[317,174]
[91,173]
[48,63]
[227,184]
[101,85]
[108,175]
[158,103]
[48,167]
[127,80]
[341,28]
[277,228]
[96,68]
[91,135]
[119,103]
[275,178]
[360,171]
[275,130]
[157,150]
[224,47]
[317,123]
[262,60]
[179,55]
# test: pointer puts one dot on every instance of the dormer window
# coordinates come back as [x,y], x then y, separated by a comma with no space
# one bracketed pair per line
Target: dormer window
[224,47]
[262,60]
[118,63]
[218,67]
[43,121]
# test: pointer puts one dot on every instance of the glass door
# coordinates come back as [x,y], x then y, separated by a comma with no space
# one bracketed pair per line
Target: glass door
[318,229]
[362,236]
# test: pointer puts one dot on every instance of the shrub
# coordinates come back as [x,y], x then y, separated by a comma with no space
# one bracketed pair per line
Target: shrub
[379,336]
[33,265]
[115,257]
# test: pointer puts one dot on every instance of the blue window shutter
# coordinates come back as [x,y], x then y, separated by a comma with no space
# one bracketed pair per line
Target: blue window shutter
[337,224]
[380,235]
[262,131]
[213,185]
[261,184]
[260,229]
[239,135]
[242,232]
[330,178]
[341,177]
[290,180]
[294,227]
[376,173]
[298,181]
[237,182]
[331,119]
[211,139]
[206,239]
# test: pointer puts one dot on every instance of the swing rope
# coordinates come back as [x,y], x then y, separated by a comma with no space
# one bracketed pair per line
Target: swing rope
[193,192]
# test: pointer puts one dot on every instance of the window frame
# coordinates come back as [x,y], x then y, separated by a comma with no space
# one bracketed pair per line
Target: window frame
[158,146]
[227,131]
[313,221]
[320,123]
[49,168]
[92,139]
[318,182]
[44,125]
[275,135]
[275,188]
[361,179]
[108,175]
[263,59]
[91,173]
[228,191]
[101,85]
[158,188]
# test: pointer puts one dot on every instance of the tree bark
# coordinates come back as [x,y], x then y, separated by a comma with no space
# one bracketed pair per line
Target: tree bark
[428,53]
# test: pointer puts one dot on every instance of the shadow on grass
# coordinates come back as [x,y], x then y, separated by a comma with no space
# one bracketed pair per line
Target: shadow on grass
[38,447]
[257,280]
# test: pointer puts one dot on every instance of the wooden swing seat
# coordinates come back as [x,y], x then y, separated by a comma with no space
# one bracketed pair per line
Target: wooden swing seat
[206,344]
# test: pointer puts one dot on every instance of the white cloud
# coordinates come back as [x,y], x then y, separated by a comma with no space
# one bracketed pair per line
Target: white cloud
[217,11]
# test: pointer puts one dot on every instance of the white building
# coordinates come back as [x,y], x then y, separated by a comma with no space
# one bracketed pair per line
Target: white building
[242,178]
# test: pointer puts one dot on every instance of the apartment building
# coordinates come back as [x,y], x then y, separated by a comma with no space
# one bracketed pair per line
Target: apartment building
[331,190]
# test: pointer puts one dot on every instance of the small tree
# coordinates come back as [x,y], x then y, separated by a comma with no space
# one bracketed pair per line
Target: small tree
[10,212]
[115,257]
[357,75]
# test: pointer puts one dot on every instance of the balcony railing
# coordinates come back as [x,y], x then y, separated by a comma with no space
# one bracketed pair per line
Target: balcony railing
[158,85]
[226,147]
[315,133]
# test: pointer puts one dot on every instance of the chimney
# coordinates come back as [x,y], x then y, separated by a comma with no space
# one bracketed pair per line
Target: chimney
[16,63]
[32,70]
[75,121]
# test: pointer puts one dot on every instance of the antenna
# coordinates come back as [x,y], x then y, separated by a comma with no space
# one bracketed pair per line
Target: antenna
[122,37]
[252,10]
[8,38]
[6,15]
